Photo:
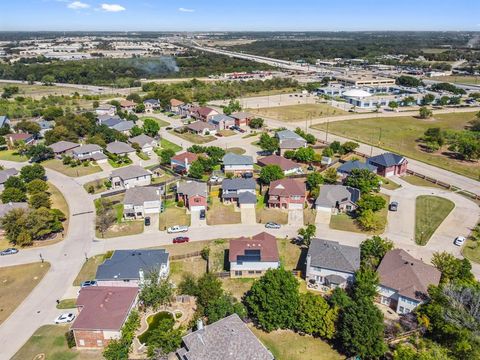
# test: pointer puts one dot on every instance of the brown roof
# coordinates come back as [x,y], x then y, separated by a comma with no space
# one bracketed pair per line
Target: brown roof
[104,307]
[266,243]
[190,157]
[287,187]
[200,126]
[407,275]
[204,111]
[175,102]
[285,164]
[126,103]
[19,136]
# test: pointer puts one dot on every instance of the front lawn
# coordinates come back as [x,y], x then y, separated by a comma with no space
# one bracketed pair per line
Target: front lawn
[121,227]
[309,216]
[430,211]
[120,162]
[77,171]
[226,132]
[219,213]
[194,138]
[297,112]
[418,181]
[389,184]
[67,304]
[471,251]
[160,122]
[165,144]
[12,155]
[174,216]
[265,215]
[89,268]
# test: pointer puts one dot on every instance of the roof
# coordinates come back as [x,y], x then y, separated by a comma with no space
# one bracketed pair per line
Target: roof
[19,136]
[152,101]
[98,156]
[241,115]
[347,167]
[5,174]
[185,157]
[109,120]
[105,107]
[331,255]
[356,93]
[386,159]
[335,279]
[192,188]
[216,119]
[247,197]
[400,271]
[225,339]
[141,140]
[330,195]
[126,264]
[123,126]
[5,208]
[235,159]
[200,126]
[88,148]
[292,143]
[104,307]
[288,134]
[130,172]
[138,195]
[239,184]
[3,120]
[287,187]
[265,243]
[119,147]
[204,111]
[285,164]
[62,146]
[127,103]
[175,102]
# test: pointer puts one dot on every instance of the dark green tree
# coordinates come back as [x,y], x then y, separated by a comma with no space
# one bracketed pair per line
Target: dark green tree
[364,180]
[271,173]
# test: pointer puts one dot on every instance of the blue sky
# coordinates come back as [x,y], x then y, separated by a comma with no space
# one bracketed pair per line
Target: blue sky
[199,15]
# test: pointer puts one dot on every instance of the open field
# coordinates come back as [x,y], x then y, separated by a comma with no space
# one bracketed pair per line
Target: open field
[288,345]
[11,155]
[17,282]
[37,91]
[57,165]
[297,112]
[469,80]
[430,211]
[50,341]
[400,134]
[194,138]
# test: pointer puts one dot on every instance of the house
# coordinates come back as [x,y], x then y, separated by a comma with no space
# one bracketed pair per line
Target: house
[252,257]
[237,164]
[63,147]
[193,194]
[287,194]
[331,264]
[91,152]
[404,281]
[151,105]
[129,268]
[201,128]
[4,121]
[108,120]
[106,109]
[288,166]
[5,175]
[140,202]
[130,176]
[28,139]
[120,148]
[102,311]
[127,105]
[116,123]
[240,191]
[222,122]
[289,140]
[389,164]
[225,339]
[346,168]
[202,113]
[181,163]
[146,143]
[175,106]
[45,126]
[242,118]
[337,198]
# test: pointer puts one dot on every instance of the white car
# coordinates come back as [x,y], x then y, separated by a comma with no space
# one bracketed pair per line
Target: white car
[177,229]
[459,240]
[65,318]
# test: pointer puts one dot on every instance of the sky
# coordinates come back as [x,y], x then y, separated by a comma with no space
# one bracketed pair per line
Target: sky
[238,15]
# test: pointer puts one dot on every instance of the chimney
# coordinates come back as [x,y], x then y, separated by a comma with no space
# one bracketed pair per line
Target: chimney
[199,324]
[141,275]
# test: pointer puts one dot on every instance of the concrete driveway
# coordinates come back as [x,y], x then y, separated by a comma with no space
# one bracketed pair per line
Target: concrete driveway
[295,217]
[248,216]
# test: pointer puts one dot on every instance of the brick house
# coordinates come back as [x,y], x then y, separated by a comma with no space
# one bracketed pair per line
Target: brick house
[389,164]
[203,113]
[28,139]
[287,194]
[242,118]
[194,194]
[237,164]
[222,121]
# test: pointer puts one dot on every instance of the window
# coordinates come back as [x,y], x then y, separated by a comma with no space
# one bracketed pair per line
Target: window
[258,272]
[251,272]
[99,343]
[238,273]
[401,309]
[81,342]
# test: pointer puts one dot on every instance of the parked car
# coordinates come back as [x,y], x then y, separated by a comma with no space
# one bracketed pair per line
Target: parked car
[9,251]
[215,179]
[393,206]
[310,167]
[459,240]
[162,207]
[202,214]
[181,239]
[88,283]
[177,229]
[272,225]
[248,175]
[65,318]
[147,221]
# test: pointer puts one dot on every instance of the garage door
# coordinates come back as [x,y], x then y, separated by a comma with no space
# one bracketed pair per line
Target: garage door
[295,206]
[196,208]
[152,210]
[390,173]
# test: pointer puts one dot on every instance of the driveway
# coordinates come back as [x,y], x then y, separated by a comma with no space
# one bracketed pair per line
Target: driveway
[295,217]
[195,220]
[248,216]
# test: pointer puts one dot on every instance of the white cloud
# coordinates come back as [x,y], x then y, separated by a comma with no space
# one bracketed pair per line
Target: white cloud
[186,10]
[112,7]
[76,5]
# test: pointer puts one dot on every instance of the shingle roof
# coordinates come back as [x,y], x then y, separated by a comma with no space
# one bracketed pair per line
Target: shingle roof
[292,144]
[118,147]
[123,126]
[130,172]
[19,136]
[185,156]
[241,115]
[200,126]
[126,264]
[216,119]
[239,184]
[331,255]
[285,164]
[175,102]
[105,107]
[265,243]
[247,197]
[386,159]
[152,101]
[142,140]
[287,187]
[407,275]
[126,103]
[288,134]
[235,159]
[138,195]
[192,188]
[226,339]
[109,120]
[88,148]
[331,194]
[62,146]
[5,174]
[5,208]
[347,167]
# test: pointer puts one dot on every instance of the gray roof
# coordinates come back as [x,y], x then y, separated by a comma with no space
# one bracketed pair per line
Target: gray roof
[386,159]
[3,120]
[234,159]
[5,174]
[88,148]
[226,339]
[152,101]
[192,188]
[62,146]
[141,140]
[105,107]
[138,195]
[292,143]
[130,172]
[347,167]
[330,195]
[125,264]
[216,119]
[99,156]
[247,198]
[331,255]
[241,115]
[109,120]
[123,126]
[200,126]
[288,134]
[118,147]
[239,184]
[5,208]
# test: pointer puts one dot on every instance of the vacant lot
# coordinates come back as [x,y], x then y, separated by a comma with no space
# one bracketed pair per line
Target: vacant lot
[470,80]
[430,211]
[401,134]
[17,282]
[194,138]
[37,91]
[57,165]
[297,112]
[174,216]
[218,213]
[11,155]
[265,215]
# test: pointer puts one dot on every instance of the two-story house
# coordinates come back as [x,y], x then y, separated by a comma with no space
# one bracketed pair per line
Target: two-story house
[222,121]
[140,202]
[151,105]
[287,194]
[106,109]
[175,106]
[389,164]
[242,118]
[240,191]
[130,176]
[194,194]
[127,105]
[202,113]
[237,164]
[91,152]
[180,163]
[147,144]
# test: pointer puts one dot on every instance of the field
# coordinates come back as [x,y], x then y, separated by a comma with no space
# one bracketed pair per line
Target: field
[11,155]
[400,134]
[194,138]
[77,171]
[297,112]
[160,122]
[17,282]
[174,216]
[37,91]
[165,144]
[430,211]
[469,80]
[89,269]
[471,251]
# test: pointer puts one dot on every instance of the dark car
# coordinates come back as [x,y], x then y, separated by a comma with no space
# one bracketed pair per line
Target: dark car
[202,214]
[147,221]
[9,251]
[310,167]
[88,283]
[393,206]
[181,239]
[248,175]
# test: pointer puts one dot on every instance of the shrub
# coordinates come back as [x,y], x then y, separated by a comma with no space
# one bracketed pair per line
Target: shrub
[70,339]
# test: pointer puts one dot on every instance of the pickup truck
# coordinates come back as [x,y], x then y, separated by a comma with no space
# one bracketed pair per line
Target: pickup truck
[177,229]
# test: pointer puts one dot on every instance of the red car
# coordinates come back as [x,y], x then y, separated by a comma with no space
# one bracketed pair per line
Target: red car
[181,239]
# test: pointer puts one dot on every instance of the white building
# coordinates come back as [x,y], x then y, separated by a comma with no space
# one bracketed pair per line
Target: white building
[130,176]
[140,202]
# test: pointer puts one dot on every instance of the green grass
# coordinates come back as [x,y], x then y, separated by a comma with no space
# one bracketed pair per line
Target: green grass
[115,164]
[389,184]
[297,112]
[59,202]
[418,181]
[160,122]
[471,251]
[11,155]
[98,185]
[236,150]
[153,321]
[77,171]
[67,304]
[194,138]
[400,134]
[143,156]
[430,211]
[89,268]
[165,144]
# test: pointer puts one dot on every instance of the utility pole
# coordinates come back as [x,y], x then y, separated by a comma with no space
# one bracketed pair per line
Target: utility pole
[326,133]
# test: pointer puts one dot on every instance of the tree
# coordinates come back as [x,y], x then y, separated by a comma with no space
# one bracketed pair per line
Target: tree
[408,81]
[196,170]
[39,153]
[372,250]
[223,306]
[16,183]
[330,175]
[428,99]
[140,108]
[136,130]
[9,91]
[48,80]
[105,218]
[315,317]
[307,233]
[268,143]
[40,199]
[13,223]
[364,180]
[349,146]
[256,123]
[164,339]
[155,291]
[425,113]
[371,202]
[453,269]
[116,350]
[271,173]
[366,283]
[32,172]
[314,180]
[305,154]
[166,156]
[233,106]
[273,300]
[393,105]
[29,127]
[150,127]
[24,239]
[466,144]
[421,350]
[13,195]
[444,100]
[370,221]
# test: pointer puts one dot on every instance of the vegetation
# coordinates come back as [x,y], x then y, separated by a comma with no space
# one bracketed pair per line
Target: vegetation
[119,349]
[373,250]
[271,173]
[430,211]
[297,113]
